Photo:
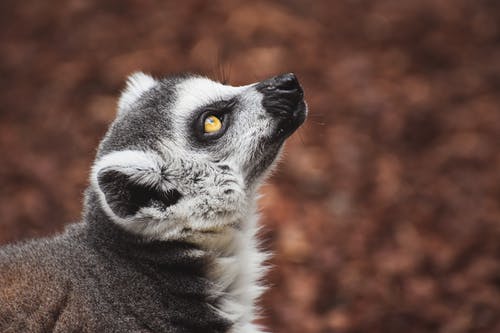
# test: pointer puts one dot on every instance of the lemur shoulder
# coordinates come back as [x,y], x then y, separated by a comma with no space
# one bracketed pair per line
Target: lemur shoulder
[167,241]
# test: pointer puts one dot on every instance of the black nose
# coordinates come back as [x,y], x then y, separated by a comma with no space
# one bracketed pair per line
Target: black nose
[282,94]
[283,98]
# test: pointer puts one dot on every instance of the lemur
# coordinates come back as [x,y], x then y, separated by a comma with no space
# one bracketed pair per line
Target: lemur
[167,241]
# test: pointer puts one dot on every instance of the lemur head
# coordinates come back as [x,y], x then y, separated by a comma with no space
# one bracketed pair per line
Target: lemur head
[185,154]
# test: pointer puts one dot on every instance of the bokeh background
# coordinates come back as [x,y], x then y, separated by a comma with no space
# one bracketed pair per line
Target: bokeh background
[385,214]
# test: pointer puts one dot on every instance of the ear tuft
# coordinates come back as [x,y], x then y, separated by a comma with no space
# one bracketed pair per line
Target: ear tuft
[137,84]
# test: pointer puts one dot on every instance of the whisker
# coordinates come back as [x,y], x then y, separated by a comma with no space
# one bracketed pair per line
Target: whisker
[229,72]
[219,70]
[317,122]
[301,138]
[316,115]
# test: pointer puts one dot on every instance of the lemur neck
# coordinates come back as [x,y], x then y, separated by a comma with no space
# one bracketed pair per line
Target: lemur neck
[236,271]
[230,260]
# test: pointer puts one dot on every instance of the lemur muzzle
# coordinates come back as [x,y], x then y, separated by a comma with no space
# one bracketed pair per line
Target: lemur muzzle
[284,99]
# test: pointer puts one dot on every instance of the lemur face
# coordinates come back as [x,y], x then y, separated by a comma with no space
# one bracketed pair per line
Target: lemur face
[186,154]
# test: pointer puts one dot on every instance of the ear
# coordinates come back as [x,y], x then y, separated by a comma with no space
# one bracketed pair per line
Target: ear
[125,196]
[137,84]
[129,181]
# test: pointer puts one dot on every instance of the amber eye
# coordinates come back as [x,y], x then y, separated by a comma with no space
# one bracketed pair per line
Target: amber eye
[212,124]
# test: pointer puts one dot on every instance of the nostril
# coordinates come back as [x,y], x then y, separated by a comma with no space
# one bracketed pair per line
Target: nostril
[286,82]
[281,83]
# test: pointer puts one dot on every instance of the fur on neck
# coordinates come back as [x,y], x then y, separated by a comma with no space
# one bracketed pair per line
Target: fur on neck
[236,269]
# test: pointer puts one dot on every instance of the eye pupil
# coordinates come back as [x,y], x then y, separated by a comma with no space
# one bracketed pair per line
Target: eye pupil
[212,124]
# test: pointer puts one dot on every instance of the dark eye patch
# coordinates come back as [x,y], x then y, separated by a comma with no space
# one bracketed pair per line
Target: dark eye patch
[222,110]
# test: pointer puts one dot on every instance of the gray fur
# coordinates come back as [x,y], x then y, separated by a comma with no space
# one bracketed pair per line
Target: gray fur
[167,238]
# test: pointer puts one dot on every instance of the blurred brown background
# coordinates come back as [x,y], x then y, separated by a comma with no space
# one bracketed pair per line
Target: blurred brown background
[385,214]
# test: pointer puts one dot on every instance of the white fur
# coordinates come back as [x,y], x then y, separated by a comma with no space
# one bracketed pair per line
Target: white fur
[239,272]
[198,91]
[137,84]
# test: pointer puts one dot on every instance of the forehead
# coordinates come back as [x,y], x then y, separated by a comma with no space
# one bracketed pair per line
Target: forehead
[195,92]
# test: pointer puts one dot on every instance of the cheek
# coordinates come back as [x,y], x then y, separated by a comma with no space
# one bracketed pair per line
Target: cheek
[252,124]
[257,150]
[253,150]
[245,139]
